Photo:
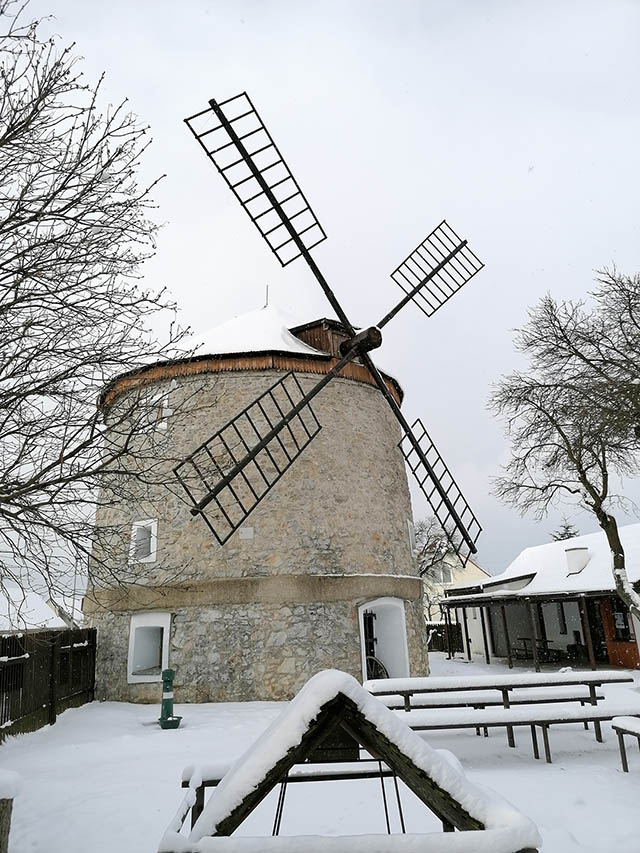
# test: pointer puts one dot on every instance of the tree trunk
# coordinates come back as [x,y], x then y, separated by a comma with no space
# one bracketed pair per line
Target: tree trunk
[623,586]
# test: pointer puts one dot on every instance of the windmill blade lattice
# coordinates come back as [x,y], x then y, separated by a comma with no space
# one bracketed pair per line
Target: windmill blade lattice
[243,151]
[456,517]
[436,269]
[236,140]
[228,475]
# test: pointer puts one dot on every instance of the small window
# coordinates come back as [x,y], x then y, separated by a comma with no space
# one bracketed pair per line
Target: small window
[155,409]
[436,574]
[447,577]
[144,541]
[562,619]
[148,646]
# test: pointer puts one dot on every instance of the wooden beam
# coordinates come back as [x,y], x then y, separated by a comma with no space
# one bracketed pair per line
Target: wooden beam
[326,722]
[439,801]
[586,630]
[484,636]
[534,635]
[503,611]
[447,622]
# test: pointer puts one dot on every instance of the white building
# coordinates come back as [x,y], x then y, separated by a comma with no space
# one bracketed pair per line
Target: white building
[555,603]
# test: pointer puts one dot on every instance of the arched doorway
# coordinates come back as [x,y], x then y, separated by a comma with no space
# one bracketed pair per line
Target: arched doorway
[383,639]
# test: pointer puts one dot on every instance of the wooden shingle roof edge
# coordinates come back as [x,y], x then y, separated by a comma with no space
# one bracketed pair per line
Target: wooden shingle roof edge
[158,371]
[329,701]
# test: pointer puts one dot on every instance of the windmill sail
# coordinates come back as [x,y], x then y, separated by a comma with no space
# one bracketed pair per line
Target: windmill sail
[243,151]
[449,506]
[228,475]
[436,269]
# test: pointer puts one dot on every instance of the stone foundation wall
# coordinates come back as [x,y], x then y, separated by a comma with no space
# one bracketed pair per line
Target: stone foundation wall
[246,652]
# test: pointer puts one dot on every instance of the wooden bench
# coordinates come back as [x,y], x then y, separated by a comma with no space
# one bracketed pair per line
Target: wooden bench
[505,684]
[509,718]
[625,726]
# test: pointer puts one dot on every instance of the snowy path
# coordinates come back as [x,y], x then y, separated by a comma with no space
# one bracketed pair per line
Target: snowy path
[105,779]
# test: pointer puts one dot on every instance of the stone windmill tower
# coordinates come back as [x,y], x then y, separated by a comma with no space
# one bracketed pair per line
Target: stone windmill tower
[289,559]
[320,575]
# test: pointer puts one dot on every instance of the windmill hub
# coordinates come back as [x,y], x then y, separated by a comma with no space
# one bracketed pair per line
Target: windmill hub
[364,341]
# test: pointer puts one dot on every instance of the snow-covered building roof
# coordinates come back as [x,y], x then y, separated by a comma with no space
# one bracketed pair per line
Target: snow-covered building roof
[488,822]
[577,565]
[21,609]
[264,330]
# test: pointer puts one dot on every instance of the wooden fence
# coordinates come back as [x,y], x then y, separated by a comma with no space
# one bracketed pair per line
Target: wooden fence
[437,632]
[41,674]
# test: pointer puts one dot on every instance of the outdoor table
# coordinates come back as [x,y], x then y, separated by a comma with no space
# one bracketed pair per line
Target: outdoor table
[408,687]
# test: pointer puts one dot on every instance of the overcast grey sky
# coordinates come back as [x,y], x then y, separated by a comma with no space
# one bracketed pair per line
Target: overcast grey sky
[517,120]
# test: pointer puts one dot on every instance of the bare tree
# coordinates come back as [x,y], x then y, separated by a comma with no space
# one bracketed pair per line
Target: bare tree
[74,231]
[573,417]
[435,557]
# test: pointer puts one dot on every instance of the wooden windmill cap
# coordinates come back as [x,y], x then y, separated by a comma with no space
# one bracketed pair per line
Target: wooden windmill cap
[258,340]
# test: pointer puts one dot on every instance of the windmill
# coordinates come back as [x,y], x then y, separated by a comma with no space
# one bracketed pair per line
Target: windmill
[235,469]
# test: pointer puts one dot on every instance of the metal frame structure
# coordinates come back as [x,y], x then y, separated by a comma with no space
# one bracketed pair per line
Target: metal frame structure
[236,140]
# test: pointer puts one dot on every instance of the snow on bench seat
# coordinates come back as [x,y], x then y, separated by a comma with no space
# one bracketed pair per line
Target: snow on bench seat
[518,716]
[490,697]
[430,684]
[629,724]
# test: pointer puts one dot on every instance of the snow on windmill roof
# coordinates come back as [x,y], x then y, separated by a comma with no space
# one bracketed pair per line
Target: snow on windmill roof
[550,569]
[505,828]
[264,330]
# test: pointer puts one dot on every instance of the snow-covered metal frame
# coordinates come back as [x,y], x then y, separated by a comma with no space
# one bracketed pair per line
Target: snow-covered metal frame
[432,273]
[329,702]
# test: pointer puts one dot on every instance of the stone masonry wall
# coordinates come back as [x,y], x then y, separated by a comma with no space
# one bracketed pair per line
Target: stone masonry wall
[341,510]
[245,652]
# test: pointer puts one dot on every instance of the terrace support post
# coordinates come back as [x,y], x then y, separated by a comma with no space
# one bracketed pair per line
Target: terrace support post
[54,674]
[586,630]
[503,611]
[447,622]
[534,636]
[466,633]
[484,636]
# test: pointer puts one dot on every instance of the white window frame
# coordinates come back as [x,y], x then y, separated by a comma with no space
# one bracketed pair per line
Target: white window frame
[154,619]
[151,558]
[412,537]
[160,401]
[403,646]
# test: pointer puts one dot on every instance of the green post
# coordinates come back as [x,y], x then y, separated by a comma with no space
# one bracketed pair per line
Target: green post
[167,720]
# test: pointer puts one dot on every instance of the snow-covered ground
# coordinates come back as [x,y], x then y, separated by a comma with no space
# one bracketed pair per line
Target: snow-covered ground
[105,778]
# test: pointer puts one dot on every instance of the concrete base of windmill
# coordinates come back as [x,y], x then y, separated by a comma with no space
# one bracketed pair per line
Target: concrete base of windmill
[169,722]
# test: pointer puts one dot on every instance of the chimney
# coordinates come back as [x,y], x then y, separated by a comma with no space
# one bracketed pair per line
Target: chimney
[577,559]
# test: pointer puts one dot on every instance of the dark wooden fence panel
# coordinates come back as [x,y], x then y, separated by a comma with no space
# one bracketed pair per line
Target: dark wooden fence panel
[438,633]
[41,674]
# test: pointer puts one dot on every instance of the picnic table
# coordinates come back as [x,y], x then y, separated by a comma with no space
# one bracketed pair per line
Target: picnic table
[505,684]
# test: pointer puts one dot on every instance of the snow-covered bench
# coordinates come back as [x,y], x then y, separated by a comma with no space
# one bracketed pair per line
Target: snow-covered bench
[504,685]
[471,718]
[625,726]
